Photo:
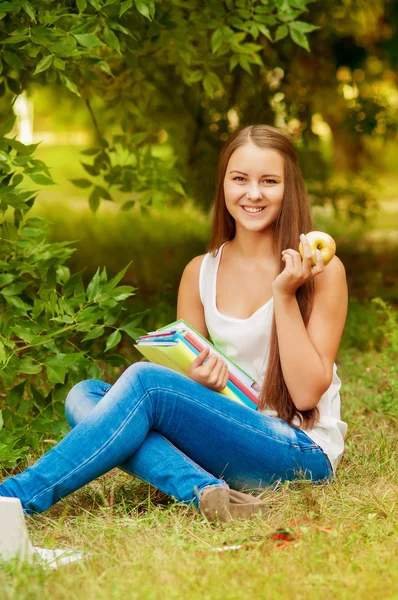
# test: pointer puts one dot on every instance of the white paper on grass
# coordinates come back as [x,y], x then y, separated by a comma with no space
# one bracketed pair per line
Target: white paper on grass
[57,558]
[15,541]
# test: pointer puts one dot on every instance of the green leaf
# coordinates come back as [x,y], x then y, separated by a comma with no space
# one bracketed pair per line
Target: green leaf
[44,64]
[72,87]
[88,40]
[281,33]
[81,183]
[13,59]
[124,7]
[3,354]
[113,340]
[15,394]
[64,360]
[15,39]
[6,278]
[103,193]
[14,289]
[211,84]
[59,63]
[127,205]
[28,8]
[94,200]
[146,8]
[95,333]
[26,365]
[14,86]
[233,62]
[81,5]
[137,138]
[115,280]
[299,38]
[94,286]
[245,63]
[55,374]
[303,27]
[129,325]
[111,39]
[18,304]
[105,68]
[90,151]
[265,31]
[73,284]
[41,179]
[217,40]
[93,171]
[117,360]
[265,19]
[66,47]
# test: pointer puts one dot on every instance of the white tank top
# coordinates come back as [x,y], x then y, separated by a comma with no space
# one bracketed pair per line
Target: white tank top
[247,343]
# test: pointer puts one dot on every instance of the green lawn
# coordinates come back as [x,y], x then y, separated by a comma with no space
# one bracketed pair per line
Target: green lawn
[343,537]
[142,545]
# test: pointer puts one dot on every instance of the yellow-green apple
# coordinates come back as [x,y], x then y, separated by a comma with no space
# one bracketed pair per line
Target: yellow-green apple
[318,240]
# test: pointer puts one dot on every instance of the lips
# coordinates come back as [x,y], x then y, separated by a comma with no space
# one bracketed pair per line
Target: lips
[253,210]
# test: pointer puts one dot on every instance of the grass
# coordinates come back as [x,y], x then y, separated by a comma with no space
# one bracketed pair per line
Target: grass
[143,545]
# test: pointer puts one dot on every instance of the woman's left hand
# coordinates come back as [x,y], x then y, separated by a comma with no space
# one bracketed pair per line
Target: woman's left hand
[297,271]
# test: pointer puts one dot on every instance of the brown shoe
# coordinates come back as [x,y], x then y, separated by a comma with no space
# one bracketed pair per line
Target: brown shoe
[214,504]
[242,506]
[223,504]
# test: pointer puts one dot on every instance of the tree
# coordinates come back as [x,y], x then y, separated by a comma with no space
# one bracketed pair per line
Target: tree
[147,62]
[53,330]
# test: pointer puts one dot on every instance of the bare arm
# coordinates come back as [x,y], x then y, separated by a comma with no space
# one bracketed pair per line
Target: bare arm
[214,372]
[189,304]
[307,354]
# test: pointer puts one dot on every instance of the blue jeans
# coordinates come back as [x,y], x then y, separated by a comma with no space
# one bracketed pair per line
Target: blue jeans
[170,431]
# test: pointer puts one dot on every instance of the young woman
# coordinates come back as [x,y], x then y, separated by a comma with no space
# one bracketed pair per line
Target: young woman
[274,314]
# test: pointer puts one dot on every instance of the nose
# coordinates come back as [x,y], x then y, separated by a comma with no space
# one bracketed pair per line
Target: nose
[254,193]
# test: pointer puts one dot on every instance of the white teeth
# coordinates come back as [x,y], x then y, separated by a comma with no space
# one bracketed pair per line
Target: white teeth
[252,209]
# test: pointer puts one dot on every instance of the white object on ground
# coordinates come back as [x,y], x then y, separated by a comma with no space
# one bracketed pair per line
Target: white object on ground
[15,541]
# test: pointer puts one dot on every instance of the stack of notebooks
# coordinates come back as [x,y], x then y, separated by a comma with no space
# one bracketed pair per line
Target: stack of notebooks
[176,345]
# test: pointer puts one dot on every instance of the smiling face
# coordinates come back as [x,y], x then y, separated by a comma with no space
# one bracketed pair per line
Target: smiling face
[254,186]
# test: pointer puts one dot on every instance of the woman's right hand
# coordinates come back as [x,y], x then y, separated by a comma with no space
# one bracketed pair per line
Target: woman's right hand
[213,373]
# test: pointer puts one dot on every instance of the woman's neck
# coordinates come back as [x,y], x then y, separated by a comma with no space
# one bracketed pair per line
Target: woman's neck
[253,247]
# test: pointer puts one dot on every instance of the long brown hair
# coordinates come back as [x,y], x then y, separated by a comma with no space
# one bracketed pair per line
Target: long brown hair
[294,219]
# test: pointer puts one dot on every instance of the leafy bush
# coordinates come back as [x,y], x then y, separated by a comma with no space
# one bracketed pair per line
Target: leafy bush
[54,331]
[374,326]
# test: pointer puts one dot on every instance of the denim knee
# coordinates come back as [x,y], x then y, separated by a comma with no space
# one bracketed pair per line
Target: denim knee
[77,403]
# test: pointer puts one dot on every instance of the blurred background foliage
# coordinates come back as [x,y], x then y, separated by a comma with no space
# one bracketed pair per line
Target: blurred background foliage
[130,103]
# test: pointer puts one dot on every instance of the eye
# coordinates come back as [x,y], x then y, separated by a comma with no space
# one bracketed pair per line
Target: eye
[237,178]
[270,181]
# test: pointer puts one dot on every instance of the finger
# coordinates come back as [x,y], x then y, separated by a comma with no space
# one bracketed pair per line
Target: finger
[225,376]
[297,262]
[221,376]
[288,260]
[306,247]
[209,365]
[199,360]
[293,254]
[217,370]
[319,265]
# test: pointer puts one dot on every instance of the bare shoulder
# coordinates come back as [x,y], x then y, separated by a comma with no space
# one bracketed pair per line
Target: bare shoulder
[189,304]
[333,275]
[192,269]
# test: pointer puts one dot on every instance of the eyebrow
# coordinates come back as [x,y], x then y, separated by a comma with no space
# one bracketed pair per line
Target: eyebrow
[265,175]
